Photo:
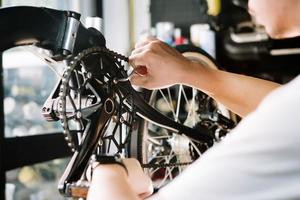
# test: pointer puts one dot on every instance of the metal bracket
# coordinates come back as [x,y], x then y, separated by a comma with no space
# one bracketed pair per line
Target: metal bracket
[70,35]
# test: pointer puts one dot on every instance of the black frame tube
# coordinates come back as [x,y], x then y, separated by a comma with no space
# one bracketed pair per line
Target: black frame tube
[28,150]
[31,25]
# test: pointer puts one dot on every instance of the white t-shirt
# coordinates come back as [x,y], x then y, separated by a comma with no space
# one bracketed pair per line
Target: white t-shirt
[259,159]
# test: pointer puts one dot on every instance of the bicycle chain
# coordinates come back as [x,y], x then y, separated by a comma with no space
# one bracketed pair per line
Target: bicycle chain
[165,165]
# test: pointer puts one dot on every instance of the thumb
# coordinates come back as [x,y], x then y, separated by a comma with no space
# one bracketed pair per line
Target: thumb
[141,70]
[138,80]
[140,182]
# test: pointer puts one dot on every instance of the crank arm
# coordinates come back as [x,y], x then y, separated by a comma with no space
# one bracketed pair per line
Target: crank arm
[79,161]
[151,114]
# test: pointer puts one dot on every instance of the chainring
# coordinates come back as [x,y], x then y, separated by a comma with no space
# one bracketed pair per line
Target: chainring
[87,79]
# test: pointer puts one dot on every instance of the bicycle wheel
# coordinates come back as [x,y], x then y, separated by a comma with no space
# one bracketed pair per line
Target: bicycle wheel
[164,154]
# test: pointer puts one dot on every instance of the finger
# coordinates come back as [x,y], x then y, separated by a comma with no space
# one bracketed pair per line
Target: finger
[141,70]
[148,192]
[145,41]
[138,80]
[137,60]
[139,50]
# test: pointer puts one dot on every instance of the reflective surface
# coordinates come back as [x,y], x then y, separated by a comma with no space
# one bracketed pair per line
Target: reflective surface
[27,83]
[35,182]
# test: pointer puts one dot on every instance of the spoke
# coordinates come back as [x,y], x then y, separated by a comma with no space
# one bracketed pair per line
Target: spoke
[185,97]
[171,104]
[165,98]
[193,145]
[163,181]
[178,103]
[155,170]
[169,173]
[170,169]
[192,110]
[194,104]
[195,141]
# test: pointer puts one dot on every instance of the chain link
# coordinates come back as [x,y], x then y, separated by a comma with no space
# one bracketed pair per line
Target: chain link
[165,165]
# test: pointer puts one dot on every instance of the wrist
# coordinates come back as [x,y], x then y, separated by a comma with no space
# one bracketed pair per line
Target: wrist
[110,165]
[191,73]
[201,77]
[184,72]
[110,171]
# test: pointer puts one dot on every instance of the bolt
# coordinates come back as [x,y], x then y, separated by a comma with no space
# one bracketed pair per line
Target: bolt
[78,115]
[115,81]
[122,120]
[89,75]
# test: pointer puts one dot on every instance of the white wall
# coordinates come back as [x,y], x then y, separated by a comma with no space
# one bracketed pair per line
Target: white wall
[116,25]
[142,21]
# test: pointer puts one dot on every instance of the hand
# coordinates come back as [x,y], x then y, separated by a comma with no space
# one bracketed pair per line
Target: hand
[165,66]
[138,180]
[110,181]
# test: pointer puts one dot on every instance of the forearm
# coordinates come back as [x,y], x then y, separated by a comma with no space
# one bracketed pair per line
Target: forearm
[239,93]
[110,182]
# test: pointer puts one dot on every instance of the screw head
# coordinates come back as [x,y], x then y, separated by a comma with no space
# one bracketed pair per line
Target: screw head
[78,115]
[89,75]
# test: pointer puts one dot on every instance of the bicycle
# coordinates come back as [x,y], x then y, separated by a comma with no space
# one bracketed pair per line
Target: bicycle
[100,111]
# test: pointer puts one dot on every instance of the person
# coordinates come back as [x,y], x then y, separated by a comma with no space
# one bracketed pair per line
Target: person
[260,158]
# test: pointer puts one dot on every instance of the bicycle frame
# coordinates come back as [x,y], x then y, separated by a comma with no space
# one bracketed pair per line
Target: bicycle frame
[62,33]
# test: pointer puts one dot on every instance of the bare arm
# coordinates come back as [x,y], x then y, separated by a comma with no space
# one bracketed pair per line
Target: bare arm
[239,93]
[166,66]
